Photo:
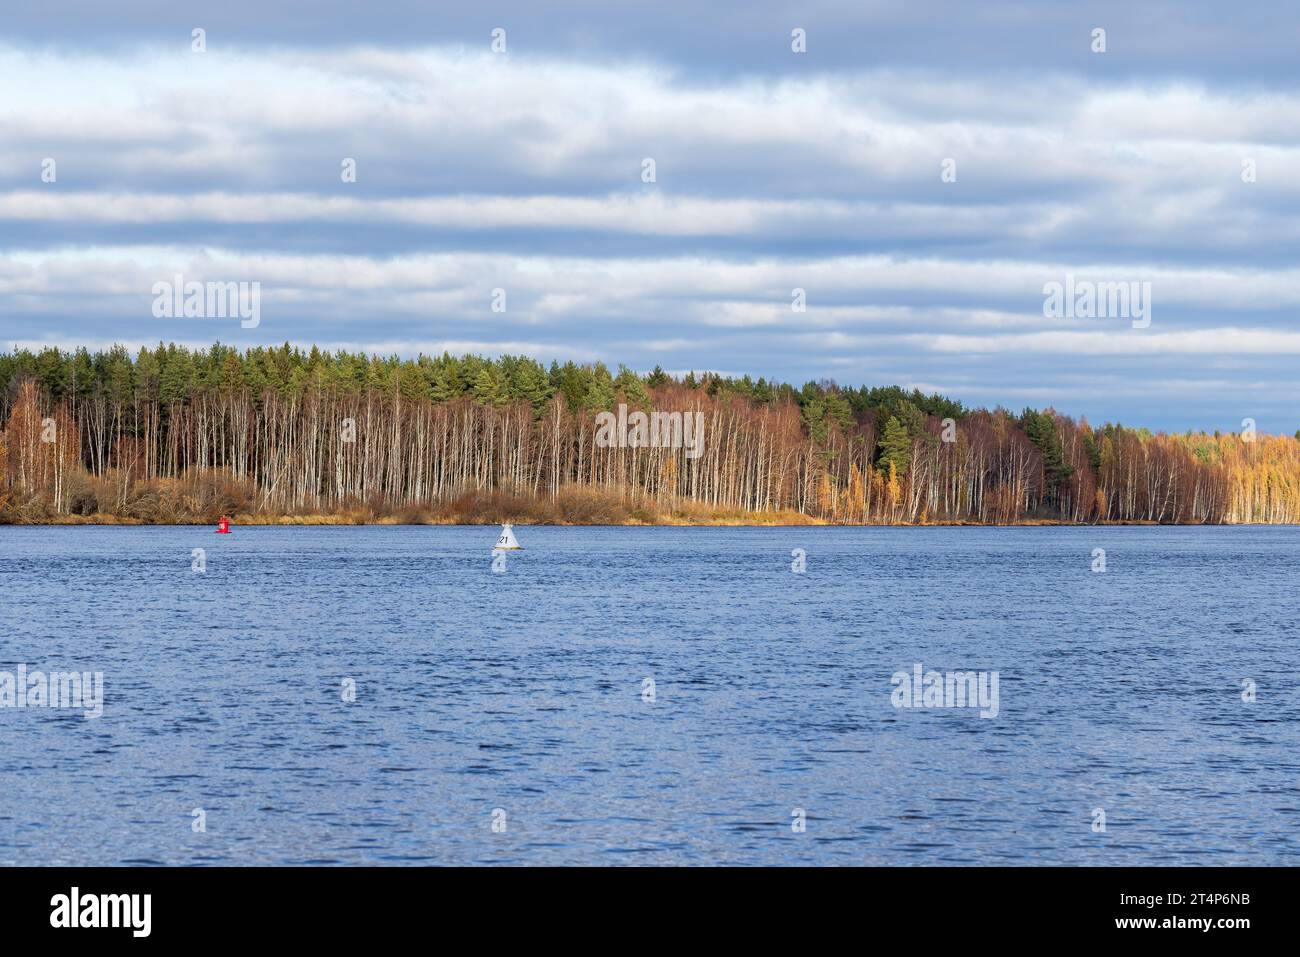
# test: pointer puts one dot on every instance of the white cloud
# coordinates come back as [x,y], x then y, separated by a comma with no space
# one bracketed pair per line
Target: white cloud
[523,172]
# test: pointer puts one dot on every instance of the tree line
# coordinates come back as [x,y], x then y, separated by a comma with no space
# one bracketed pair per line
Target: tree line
[172,434]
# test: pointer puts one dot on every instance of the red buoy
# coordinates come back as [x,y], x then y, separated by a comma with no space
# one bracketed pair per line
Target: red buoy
[223,526]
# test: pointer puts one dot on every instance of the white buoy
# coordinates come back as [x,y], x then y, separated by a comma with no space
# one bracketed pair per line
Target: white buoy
[507,539]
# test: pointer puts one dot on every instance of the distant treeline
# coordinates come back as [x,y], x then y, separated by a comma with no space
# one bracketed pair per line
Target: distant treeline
[175,435]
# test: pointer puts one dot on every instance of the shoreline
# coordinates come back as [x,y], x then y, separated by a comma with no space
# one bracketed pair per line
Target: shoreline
[776,521]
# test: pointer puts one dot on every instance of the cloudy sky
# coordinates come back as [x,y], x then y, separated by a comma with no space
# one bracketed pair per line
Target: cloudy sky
[774,170]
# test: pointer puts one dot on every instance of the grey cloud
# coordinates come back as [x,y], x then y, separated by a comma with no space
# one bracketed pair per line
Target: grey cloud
[774,171]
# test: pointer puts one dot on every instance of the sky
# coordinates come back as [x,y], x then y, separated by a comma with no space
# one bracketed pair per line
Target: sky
[923,172]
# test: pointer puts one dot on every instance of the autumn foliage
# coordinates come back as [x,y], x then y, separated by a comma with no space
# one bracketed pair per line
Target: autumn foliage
[175,435]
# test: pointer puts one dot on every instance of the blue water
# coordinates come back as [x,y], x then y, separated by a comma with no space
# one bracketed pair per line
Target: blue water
[522,692]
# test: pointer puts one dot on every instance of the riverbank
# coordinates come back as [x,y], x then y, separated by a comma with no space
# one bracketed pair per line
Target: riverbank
[164,504]
[721,520]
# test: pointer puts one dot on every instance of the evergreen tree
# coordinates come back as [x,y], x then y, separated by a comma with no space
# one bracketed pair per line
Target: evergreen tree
[895,448]
[839,410]
[1040,427]
[533,385]
[490,385]
[572,385]
[444,379]
[630,385]
[599,396]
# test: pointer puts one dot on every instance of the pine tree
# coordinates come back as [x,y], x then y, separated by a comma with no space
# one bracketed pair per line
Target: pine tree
[534,386]
[895,449]
[599,396]
[444,381]
[1040,427]
[489,385]
[630,385]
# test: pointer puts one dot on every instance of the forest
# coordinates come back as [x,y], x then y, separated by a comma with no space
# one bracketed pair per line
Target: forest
[173,435]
